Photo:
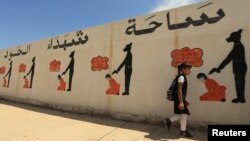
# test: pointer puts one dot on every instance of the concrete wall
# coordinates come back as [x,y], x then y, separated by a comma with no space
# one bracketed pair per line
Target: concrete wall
[157,47]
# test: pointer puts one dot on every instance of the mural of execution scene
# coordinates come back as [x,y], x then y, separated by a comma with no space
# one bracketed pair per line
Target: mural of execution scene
[237,57]
[4,82]
[100,63]
[2,71]
[69,69]
[8,75]
[114,87]
[215,92]
[26,82]
[127,63]
[62,84]
[55,66]
[30,74]
[22,69]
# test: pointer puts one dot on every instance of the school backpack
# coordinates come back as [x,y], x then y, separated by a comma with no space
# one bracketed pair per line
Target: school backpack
[172,90]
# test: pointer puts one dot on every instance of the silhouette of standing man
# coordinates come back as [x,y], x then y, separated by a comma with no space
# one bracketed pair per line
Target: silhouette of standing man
[71,69]
[237,56]
[127,62]
[32,71]
[9,74]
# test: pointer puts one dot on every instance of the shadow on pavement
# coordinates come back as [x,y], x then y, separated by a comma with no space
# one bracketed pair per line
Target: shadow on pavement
[153,132]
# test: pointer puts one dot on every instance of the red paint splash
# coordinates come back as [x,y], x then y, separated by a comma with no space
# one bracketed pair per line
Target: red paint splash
[99,63]
[192,56]
[22,68]
[2,70]
[55,66]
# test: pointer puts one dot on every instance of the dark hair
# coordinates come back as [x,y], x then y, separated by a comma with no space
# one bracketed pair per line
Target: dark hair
[200,75]
[183,66]
[108,76]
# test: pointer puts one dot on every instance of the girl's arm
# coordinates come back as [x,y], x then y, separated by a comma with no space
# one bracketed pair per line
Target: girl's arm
[181,104]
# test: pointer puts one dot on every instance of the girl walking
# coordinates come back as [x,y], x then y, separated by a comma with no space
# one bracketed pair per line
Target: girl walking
[180,104]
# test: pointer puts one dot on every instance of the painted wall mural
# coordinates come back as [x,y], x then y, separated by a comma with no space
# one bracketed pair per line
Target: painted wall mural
[70,69]
[114,87]
[62,84]
[192,56]
[99,63]
[136,57]
[152,26]
[215,92]
[31,72]
[22,68]
[237,57]
[66,43]
[8,74]
[189,21]
[55,66]
[127,63]
[2,70]
[4,82]
[26,82]
[18,53]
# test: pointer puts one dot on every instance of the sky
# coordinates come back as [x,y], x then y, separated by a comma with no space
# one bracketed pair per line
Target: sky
[25,21]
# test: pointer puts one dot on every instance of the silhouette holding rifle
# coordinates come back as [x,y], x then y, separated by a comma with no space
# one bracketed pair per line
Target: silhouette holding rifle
[127,62]
[70,68]
[237,57]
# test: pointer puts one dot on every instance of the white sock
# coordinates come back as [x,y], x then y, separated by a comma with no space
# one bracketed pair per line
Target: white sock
[183,122]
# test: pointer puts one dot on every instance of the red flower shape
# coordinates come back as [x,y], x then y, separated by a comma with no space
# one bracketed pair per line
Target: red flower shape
[55,66]
[22,68]
[99,63]
[192,56]
[2,70]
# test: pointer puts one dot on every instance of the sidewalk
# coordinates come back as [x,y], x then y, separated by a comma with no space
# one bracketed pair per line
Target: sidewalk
[20,122]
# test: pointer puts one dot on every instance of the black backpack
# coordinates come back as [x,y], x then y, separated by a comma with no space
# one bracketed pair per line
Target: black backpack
[172,90]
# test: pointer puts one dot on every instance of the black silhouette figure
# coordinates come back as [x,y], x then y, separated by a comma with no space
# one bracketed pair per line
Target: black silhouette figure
[9,74]
[32,71]
[127,62]
[71,69]
[237,56]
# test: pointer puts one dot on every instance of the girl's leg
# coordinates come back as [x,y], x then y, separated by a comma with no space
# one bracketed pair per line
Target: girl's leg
[169,121]
[183,122]
[175,117]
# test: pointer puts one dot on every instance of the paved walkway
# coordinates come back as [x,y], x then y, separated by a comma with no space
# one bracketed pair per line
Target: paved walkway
[20,122]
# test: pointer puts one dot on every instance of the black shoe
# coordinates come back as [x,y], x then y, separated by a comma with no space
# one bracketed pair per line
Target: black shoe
[167,123]
[237,100]
[125,93]
[242,100]
[186,134]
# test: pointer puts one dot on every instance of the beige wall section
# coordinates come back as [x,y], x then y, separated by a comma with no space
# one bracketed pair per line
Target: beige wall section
[152,70]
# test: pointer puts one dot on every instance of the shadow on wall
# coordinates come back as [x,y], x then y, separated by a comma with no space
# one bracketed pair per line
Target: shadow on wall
[154,132]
